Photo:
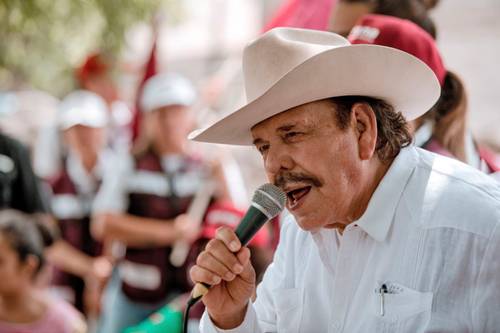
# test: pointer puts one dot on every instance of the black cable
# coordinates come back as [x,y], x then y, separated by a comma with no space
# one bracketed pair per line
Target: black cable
[192,301]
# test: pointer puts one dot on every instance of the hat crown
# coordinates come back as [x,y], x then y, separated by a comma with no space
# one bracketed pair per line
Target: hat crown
[270,57]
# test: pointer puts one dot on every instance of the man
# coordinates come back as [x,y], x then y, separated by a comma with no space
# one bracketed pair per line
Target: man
[82,121]
[385,237]
[145,204]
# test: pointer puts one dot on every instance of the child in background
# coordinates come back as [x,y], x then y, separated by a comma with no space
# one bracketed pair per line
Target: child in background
[24,307]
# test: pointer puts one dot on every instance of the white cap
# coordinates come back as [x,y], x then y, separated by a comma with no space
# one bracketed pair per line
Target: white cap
[82,107]
[167,89]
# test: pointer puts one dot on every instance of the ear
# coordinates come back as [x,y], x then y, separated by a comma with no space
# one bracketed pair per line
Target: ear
[365,127]
[30,266]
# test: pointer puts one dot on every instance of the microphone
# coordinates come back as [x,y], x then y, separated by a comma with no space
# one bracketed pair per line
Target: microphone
[267,202]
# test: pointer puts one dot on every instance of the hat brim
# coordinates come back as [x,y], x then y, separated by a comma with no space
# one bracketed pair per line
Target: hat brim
[394,76]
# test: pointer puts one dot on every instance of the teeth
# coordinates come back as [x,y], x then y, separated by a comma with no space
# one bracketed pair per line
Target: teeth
[294,194]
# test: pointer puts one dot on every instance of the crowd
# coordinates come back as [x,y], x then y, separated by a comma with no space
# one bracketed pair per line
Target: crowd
[102,235]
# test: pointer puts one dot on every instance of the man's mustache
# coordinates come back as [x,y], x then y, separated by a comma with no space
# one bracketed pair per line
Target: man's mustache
[286,177]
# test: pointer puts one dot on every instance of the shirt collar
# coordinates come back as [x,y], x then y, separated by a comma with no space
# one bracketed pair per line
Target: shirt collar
[377,219]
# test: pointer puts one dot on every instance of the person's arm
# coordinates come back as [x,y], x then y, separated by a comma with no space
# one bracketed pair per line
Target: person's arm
[69,259]
[486,292]
[140,232]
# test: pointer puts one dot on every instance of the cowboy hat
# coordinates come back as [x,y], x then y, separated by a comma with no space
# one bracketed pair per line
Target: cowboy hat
[287,67]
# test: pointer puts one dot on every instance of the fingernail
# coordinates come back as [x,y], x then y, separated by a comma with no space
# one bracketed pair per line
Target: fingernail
[229,276]
[216,280]
[238,268]
[233,245]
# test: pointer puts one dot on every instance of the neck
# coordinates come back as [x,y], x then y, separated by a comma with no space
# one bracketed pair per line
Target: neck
[170,149]
[372,180]
[89,161]
[21,307]
[368,184]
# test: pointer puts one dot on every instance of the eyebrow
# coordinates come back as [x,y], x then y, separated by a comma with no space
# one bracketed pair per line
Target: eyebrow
[283,128]
[286,128]
[257,141]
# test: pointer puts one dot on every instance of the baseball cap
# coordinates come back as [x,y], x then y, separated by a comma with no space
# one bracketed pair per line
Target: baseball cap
[399,34]
[82,107]
[167,89]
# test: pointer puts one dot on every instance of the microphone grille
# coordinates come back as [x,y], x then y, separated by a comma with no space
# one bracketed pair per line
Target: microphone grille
[271,198]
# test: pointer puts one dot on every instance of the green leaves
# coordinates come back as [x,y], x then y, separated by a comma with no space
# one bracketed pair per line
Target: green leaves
[43,40]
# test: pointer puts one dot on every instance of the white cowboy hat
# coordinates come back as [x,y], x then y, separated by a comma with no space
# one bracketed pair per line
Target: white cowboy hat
[286,67]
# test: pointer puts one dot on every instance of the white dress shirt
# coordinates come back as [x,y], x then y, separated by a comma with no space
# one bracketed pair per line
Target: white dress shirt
[430,236]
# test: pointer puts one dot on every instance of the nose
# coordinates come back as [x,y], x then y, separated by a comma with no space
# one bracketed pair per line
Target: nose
[277,159]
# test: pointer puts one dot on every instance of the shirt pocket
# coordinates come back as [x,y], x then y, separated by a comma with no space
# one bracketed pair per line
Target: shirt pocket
[289,306]
[404,309]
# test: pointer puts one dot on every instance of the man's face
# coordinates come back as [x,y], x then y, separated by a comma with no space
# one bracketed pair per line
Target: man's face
[314,161]
[13,273]
[172,124]
[85,141]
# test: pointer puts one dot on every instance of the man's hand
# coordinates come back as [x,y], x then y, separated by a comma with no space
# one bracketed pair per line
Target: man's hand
[226,266]
[186,229]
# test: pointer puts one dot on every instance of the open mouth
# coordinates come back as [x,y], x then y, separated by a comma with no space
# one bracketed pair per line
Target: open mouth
[296,196]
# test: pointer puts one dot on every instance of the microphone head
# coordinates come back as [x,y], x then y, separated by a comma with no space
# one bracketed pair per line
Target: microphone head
[271,198]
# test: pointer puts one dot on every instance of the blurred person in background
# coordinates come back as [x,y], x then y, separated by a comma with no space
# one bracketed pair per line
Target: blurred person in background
[94,75]
[19,188]
[443,129]
[25,307]
[347,12]
[144,204]
[83,119]
[169,318]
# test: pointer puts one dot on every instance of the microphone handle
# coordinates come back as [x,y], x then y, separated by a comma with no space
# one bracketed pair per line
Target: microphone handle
[253,220]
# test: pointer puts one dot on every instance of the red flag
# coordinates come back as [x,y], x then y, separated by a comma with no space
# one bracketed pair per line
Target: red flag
[149,71]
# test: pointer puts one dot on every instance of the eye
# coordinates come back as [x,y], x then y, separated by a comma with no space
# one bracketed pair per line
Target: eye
[262,149]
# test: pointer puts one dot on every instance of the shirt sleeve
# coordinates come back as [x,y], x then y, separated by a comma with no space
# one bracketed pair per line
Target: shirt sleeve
[486,301]
[112,196]
[249,324]
[261,315]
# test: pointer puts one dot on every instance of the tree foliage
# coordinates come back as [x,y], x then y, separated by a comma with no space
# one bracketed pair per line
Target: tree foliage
[43,40]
